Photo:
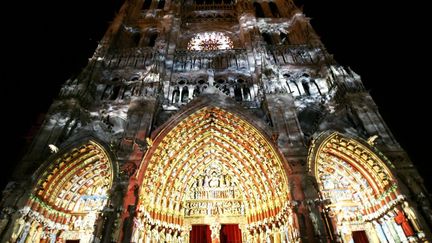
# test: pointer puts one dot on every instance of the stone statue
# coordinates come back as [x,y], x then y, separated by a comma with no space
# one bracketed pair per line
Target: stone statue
[268,234]
[403,222]
[17,229]
[148,234]
[185,233]
[371,140]
[412,217]
[155,234]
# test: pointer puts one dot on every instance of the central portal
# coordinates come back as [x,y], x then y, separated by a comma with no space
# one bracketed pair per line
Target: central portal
[210,172]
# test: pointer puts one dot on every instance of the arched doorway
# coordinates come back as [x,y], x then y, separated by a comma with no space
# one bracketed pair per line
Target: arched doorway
[211,168]
[362,201]
[65,204]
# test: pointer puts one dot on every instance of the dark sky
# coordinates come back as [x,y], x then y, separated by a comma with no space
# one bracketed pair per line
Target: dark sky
[46,43]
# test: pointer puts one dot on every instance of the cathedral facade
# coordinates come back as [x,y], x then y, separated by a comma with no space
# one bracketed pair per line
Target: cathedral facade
[214,121]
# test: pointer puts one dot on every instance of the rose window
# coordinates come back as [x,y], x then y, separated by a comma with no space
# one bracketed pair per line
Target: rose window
[210,41]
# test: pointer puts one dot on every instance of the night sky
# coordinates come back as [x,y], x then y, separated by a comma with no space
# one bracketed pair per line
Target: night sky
[46,43]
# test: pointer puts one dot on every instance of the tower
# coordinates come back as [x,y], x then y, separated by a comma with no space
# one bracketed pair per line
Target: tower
[217,121]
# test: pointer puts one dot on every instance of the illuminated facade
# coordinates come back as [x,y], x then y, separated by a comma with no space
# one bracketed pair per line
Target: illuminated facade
[214,121]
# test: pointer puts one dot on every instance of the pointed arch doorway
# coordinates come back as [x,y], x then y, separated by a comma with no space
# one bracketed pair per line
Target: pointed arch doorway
[67,201]
[212,169]
[362,199]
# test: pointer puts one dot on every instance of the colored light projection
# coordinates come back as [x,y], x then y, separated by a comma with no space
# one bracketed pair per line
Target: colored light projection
[360,194]
[212,164]
[69,196]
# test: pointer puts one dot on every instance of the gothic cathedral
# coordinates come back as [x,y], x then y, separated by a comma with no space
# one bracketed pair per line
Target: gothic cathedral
[214,121]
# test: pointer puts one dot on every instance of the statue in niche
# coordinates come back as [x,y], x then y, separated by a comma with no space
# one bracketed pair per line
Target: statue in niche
[185,233]
[148,233]
[155,234]
[412,217]
[249,238]
[290,229]
[168,236]
[283,233]
[228,180]
[162,235]
[401,220]
[78,223]
[214,181]
[17,229]
[262,236]
[89,221]
[31,234]
[25,232]
[268,234]
[38,234]
[200,181]
[176,237]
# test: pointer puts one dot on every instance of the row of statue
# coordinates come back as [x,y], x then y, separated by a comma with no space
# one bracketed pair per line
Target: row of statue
[214,208]
[277,232]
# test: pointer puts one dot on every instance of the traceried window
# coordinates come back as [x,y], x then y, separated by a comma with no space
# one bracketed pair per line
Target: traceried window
[210,41]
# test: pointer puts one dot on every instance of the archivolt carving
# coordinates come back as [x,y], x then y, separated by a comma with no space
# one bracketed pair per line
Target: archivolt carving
[212,148]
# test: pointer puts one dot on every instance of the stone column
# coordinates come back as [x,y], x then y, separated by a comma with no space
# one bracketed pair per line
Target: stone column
[210,73]
[180,96]
[191,89]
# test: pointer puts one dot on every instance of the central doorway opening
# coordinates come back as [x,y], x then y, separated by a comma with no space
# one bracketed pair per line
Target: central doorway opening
[360,237]
[200,234]
[229,233]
